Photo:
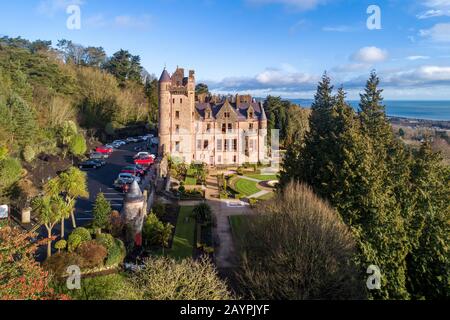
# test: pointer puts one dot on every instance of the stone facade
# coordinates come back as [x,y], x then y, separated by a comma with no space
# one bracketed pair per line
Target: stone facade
[223,131]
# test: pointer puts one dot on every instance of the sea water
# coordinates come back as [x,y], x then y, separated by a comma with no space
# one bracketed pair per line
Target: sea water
[429,110]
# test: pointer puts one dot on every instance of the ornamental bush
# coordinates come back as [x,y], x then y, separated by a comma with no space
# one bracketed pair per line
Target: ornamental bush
[28,154]
[167,279]
[105,240]
[61,245]
[84,234]
[77,145]
[152,227]
[73,242]
[93,254]
[58,263]
[116,254]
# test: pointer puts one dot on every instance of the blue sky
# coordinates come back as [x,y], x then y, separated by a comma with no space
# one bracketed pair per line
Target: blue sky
[262,46]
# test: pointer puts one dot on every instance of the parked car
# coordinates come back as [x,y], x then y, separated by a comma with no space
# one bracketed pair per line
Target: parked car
[105,150]
[98,156]
[144,169]
[144,161]
[132,140]
[100,162]
[135,170]
[120,142]
[90,164]
[125,178]
[142,155]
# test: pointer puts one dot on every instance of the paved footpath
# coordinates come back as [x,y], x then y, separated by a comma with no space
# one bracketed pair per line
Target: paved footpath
[226,256]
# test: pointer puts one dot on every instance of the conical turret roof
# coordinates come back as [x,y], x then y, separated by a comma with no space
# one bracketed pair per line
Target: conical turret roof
[134,194]
[165,77]
[263,113]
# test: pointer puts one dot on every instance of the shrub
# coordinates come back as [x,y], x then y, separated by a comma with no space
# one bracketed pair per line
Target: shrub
[159,209]
[253,202]
[28,154]
[223,195]
[10,173]
[84,234]
[203,213]
[116,254]
[102,210]
[116,224]
[167,279]
[240,171]
[298,248]
[73,242]
[150,230]
[109,287]
[61,245]
[58,263]
[77,145]
[106,240]
[93,254]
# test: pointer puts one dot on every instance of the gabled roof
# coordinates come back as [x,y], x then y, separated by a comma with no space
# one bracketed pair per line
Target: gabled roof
[241,110]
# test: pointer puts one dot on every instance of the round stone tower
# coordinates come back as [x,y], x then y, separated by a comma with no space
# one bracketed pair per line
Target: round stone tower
[165,108]
[134,212]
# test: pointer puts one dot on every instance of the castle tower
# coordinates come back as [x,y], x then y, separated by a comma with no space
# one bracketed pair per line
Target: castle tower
[134,213]
[165,108]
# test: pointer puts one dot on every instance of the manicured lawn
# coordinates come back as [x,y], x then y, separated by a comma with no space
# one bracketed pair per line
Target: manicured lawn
[190,181]
[238,227]
[262,177]
[267,196]
[183,242]
[246,187]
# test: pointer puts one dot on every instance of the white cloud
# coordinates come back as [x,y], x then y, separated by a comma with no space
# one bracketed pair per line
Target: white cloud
[414,58]
[297,4]
[286,79]
[438,33]
[337,29]
[370,55]
[437,8]
[433,73]
[133,22]
[96,21]
[52,7]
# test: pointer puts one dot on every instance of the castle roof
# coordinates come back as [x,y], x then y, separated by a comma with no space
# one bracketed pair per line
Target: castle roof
[241,109]
[165,77]
[134,194]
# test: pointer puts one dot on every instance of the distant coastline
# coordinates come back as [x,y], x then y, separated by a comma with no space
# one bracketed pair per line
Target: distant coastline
[423,111]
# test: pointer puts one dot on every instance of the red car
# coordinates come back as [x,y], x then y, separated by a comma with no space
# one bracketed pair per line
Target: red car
[134,170]
[145,161]
[104,150]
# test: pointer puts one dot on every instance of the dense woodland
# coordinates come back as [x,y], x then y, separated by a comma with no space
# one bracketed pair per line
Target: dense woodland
[54,98]
[394,199]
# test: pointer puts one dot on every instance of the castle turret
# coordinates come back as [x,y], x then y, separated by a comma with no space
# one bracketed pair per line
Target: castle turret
[134,213]
[165,106]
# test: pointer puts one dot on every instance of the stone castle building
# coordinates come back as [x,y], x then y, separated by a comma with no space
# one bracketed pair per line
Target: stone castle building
[217,131]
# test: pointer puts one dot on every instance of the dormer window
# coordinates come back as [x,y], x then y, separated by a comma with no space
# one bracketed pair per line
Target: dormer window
[208,115]
[250,113]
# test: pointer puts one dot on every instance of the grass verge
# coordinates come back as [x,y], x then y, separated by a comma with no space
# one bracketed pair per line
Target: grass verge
[183,242]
